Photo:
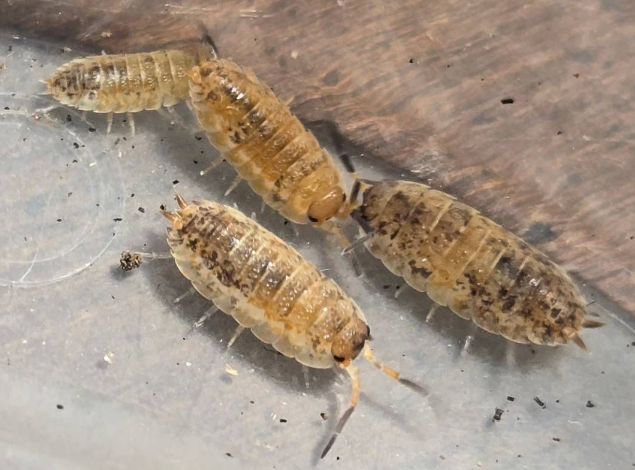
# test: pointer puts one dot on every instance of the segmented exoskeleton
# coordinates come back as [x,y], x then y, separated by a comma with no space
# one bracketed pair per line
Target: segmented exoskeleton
[123,83]
[266,285]
[269,147]
[469,263]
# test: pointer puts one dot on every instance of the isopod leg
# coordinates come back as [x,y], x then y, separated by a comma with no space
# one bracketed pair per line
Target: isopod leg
[111,117]
[131,122]
[237,333]
[305,373]
[392,373]
[234,184]
[431,312]
[206,316]
[354,374]
[399,290]
[469,339]
[189,292]
[335,230]
[213,165]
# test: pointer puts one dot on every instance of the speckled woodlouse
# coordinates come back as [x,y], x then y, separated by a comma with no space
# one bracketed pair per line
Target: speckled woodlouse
[467,262]
[266,285]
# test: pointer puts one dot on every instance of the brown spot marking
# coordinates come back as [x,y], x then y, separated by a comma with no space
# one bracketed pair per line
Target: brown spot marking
[419,270]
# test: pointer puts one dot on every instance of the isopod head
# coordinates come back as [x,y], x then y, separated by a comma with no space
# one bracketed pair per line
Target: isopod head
[350,342]
[327,206]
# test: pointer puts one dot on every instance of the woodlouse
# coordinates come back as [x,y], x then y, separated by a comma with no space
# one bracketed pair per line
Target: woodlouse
[469,263]
[269,147]
[266,285]
[123,83]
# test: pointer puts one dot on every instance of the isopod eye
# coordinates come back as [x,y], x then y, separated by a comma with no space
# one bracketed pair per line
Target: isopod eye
[312,219]
[92,95]
[368,336]
[339,358]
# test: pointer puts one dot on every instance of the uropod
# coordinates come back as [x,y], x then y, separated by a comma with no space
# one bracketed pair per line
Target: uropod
[467,262]
[266,285]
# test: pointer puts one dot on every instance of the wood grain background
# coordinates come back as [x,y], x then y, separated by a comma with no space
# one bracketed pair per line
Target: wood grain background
[522,109]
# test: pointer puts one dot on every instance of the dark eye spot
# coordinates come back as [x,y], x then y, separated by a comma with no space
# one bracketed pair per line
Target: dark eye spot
[339,358]
[368,333]
[312,219]
[343,197]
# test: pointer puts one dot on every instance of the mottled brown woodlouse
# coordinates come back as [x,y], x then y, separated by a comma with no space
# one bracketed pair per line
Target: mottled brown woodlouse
[266,285]
[467,262]
[123,83]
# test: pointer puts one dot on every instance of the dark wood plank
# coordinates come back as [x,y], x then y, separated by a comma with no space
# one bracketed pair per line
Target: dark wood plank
[419,85]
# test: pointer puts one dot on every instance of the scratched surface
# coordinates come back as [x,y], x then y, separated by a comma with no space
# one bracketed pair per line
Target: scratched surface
[420,85]
[103,370]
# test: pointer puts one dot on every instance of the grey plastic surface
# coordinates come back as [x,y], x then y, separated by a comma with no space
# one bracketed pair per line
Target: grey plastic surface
[139,387]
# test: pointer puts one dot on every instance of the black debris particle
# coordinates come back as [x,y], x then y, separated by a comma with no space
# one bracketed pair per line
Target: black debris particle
[117,219]
[337,458]
[559,133]
[498,413]
[130,261]
[576,75]
[324,416]
[92,129]
[76,145]
[286,222]
[162,207]
[60,407]
[70,194]
[198,137]
[557,439]
[252,402]
[507,101]
[228,454]
[69,118]
[411,61]
[557,401]
[142,210]
[175,182]
[540,402]
[386,286]
[59,220]
[282,420]
[590,404]
[510,398]
[195,162]
[75,160]
[10,48]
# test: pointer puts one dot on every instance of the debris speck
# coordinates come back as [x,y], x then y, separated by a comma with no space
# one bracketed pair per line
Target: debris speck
[228,454]
[507,101]
[142,210]
[60,407]
[590,404]
[130,261]
[282,420]
[498,413]
[92,129]
[117,219]
[175,182]
[109,356]
[557,439]
[540,402]
[162,207]
[230,370]
[510,398]
[324,416]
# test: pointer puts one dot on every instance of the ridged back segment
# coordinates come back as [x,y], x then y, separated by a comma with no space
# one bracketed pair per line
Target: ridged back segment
[259,135]
[123,83]
[264,283]
[471,264]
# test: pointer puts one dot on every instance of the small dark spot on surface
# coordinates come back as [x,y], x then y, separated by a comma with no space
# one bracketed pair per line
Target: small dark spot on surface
[559,133]
[576,75]
[282,420]
[228,454]
[557,439]
[337,458]
[6,108]
[76,145]
[590,404]
[142,210]
[286,222]
[498,413]
[117,219]
[332,78]
[540,402]
[59,220]
[162,207]
[175,182]
[510,398]
[60,407]
[411,61]
[323,416]
[198,137]
[252,402]
[539,232]
[69,118]
[448,66]
[507,101]
[91,129]
[195,162]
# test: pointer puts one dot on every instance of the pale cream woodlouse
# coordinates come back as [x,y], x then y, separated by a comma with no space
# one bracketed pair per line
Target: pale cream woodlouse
[268,146]
[266,285]
[467,262]
[123,83]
